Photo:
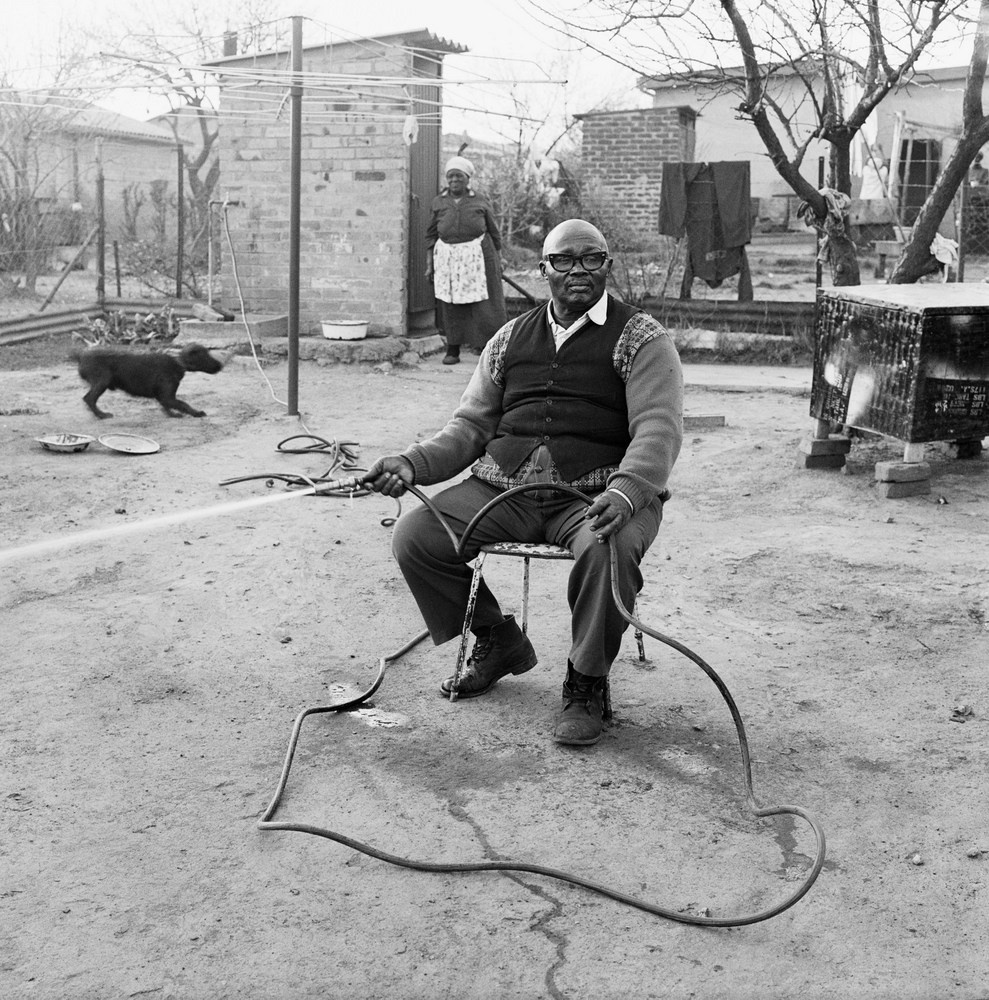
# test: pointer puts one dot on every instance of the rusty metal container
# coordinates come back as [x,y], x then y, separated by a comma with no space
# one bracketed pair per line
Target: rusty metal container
[909,361]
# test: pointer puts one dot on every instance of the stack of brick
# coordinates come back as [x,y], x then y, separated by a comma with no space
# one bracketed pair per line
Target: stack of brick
[903,479]
[825,452]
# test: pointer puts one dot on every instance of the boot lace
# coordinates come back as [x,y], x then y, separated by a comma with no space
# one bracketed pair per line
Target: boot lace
[583,693]
[483,645]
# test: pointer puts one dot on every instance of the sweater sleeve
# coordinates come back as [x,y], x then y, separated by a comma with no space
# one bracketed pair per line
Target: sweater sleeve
[432,230]
[654,395]
[474,423]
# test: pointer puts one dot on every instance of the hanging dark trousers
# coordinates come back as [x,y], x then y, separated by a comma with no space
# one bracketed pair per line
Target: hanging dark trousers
[711,204]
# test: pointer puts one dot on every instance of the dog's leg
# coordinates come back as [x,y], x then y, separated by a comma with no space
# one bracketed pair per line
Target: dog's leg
[96,390]
[180,406]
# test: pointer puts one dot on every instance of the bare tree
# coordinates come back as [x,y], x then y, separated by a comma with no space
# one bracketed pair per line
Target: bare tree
[163,51]
[831,50]
[537,126]
[37,178]
[915,259]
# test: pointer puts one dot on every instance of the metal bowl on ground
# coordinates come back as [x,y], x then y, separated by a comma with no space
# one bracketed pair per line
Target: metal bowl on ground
[65,442]
[130,444]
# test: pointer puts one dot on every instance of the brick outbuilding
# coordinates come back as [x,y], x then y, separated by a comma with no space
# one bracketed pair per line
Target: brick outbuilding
[371,133]
[623,154]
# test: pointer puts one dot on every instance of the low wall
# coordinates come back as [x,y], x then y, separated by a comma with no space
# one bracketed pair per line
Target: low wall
[786,319]
[67,320]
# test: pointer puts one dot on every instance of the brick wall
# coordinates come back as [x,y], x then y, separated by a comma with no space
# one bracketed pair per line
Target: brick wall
[354,194]
[622,155]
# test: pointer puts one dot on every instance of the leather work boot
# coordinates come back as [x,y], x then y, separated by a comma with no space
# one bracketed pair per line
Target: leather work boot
[586,704]
[501,650]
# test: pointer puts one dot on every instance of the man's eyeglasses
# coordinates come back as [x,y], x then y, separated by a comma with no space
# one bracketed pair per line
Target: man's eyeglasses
[564,262]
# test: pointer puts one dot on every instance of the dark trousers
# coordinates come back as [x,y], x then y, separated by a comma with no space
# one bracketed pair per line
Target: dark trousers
[440,583]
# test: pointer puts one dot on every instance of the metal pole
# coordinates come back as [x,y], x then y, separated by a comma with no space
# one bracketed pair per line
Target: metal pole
[100,230]
[116,266]
[295,186]
[209,251]
[180,234]
[962,227]
[72,263]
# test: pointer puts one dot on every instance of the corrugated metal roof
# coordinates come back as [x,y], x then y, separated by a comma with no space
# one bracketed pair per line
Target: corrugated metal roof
[420,39]
[102,122]
[702,77]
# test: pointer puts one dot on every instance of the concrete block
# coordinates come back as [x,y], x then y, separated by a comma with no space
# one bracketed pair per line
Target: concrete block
[703,421]
[834,444]
[902,472]
[893,491]
[823,461]
[262,325]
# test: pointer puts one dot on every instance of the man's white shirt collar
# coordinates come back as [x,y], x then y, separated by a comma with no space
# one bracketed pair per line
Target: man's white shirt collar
[597,314]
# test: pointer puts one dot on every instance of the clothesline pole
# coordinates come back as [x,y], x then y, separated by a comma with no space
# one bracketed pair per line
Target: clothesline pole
[295,188]
[887,185]
[962,221]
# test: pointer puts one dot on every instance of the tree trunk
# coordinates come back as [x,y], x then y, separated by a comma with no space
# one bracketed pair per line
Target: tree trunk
[843,255]
[916,259]
[842,252]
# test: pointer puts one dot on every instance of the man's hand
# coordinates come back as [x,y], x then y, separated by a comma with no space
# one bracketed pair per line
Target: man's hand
[608,515]
[390,475]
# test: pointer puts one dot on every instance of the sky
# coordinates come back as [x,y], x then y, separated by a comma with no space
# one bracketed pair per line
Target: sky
[506,43]
[554,77]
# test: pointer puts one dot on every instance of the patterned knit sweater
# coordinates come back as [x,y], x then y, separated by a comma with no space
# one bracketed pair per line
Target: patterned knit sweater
[647,362]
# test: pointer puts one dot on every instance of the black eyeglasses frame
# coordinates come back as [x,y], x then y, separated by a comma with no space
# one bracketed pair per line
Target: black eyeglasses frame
[553,259]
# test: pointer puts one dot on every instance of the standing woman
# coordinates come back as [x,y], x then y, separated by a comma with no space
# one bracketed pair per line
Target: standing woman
[464,247]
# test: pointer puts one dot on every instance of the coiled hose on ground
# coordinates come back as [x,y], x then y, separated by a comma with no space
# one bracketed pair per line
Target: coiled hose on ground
[268,823]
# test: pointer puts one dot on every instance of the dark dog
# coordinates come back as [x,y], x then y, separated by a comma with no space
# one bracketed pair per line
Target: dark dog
[151,374]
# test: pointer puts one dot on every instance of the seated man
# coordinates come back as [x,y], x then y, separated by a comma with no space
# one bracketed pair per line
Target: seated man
[585,391]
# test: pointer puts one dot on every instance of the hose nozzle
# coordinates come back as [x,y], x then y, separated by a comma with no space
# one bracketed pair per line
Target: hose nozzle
[340,485]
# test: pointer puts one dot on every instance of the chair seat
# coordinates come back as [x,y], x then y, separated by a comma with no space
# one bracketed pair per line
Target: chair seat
[527,550]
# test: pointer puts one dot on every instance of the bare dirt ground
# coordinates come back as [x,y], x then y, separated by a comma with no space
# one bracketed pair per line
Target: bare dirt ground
[151,675]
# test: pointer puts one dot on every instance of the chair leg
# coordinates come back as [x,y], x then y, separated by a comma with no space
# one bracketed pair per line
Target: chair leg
[525,595]
[475,583]
[639,641]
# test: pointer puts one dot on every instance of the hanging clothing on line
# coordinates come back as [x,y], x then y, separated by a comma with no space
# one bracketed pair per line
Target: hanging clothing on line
[710,203]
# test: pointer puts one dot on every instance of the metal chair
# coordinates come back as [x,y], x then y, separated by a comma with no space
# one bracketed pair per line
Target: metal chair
[525,551]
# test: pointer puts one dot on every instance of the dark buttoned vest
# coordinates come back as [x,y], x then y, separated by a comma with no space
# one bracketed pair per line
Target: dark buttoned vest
[571,400]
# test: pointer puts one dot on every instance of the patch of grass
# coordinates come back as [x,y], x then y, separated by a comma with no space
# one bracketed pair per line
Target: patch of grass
[798,262]
[738,349]
[765,351]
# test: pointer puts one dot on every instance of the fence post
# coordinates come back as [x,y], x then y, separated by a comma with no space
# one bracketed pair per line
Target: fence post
[100,230]
[180,228]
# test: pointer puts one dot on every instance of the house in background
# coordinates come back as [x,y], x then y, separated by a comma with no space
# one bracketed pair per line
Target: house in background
[195,129]
[721,135]
[915,129]
[139,162]
[371,146]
